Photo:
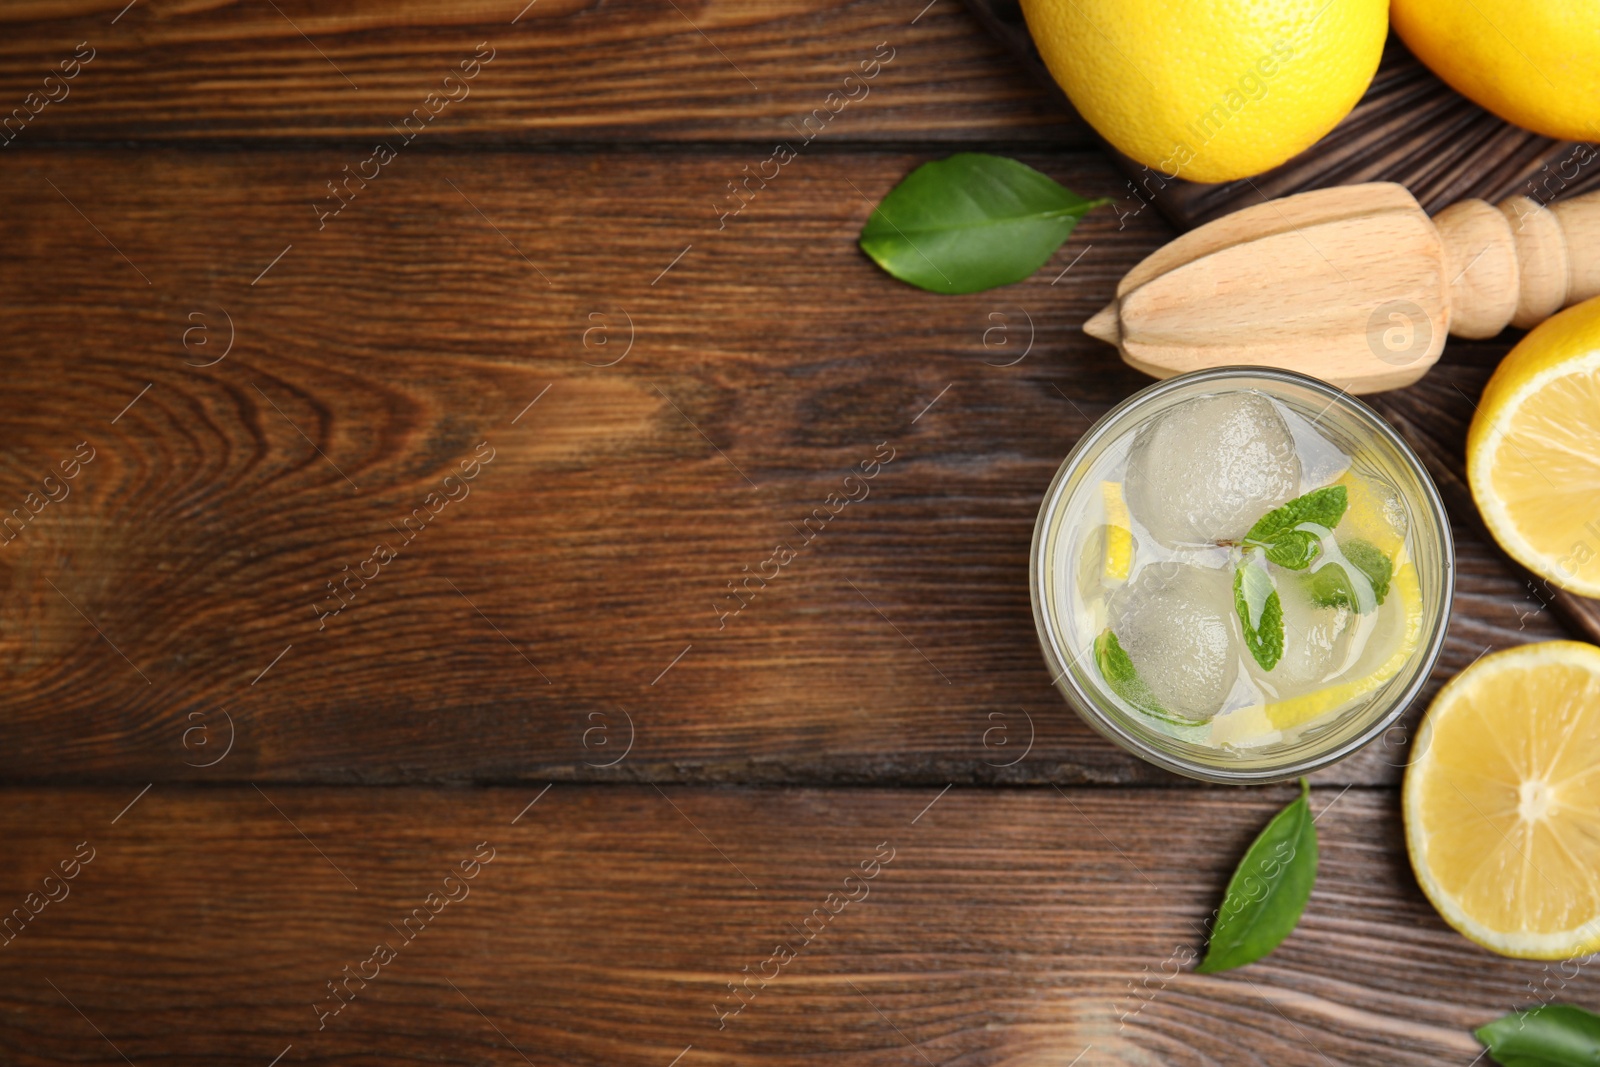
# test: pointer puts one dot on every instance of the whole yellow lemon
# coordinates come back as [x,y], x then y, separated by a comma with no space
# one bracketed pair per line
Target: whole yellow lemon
[1532,62]
[1211,91]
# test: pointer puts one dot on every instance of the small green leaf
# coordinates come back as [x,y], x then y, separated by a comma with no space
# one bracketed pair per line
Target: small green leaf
[1260,611]
[1268,891]
[1551,1035]
[1281,532]
[971,222]
[1330,585]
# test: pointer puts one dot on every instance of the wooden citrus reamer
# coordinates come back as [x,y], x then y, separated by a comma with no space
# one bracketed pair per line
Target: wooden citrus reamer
[1355,285]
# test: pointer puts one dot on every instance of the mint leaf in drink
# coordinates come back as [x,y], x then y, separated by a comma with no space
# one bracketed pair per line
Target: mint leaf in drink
[1260,610]
[971,222]
[1551,1035]
[1121,675]
[1331,586]
[1294,549]
[1324,507]
[1282,532]
[1268,890]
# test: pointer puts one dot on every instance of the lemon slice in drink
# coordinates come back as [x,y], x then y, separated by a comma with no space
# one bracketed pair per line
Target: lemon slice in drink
[1119,534]
[1374,513]
[1398,636]
[1502,801]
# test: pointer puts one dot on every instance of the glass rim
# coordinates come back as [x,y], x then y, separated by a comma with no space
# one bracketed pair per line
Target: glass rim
[1056,650]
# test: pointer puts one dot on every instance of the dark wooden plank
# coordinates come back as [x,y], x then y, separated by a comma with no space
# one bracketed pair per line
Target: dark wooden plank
[537,617]
[1008,928]
[565,70]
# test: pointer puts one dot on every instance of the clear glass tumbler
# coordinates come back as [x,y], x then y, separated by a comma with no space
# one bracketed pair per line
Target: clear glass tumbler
[1265,731]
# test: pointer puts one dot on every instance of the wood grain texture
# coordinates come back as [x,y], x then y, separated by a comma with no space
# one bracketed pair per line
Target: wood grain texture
[578,588]
[652,379]
[586,70]
[1015,928]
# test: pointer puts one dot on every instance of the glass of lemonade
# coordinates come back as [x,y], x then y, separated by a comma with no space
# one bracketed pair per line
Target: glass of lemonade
[1241,574]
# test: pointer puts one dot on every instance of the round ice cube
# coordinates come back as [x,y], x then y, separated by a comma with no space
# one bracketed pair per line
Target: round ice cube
[1208,468]
[1315,643]
[1173,621]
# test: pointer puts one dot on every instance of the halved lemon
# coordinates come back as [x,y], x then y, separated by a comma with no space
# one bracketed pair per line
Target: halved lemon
[1502,801]
[1533,452]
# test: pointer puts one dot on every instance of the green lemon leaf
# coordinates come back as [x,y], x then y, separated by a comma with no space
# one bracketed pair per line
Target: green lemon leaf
[1268,891]
[971,222]
[1551,1035]
[1281,532]
[1260,610]
[1330,585]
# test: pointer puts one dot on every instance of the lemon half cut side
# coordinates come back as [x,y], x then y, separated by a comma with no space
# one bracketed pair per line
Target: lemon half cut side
[1502,801]
[1533,451]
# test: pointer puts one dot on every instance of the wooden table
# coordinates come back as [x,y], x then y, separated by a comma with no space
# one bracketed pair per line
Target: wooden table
[536,355]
